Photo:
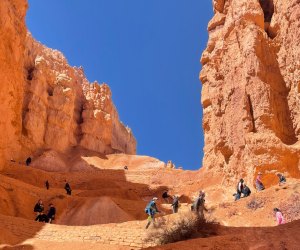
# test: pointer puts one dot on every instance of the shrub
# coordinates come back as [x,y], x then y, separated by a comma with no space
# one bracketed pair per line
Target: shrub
[183,227]
[255,204]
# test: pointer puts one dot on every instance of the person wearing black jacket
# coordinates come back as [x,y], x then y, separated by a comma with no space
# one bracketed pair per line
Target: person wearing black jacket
[47,184]
[39,209]
[68,188]
[51,213]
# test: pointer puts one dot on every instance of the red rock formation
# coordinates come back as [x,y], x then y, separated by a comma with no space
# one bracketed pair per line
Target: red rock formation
[47,104]
[250,93]
[12,34]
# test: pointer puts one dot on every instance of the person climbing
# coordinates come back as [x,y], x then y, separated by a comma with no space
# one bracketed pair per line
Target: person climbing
[279,216]
[28,161]
[38,209]
[175,204]
[166,196]
[198,205]
[51,213]
[259,185]
[239,189]
[47,184]
[246,191]
[68,188]
[282,179]
[151,210]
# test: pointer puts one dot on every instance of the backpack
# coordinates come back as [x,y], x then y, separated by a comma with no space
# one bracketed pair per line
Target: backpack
[148,207]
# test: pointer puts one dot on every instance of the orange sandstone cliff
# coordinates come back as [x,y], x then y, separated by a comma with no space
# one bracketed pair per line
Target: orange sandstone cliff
[251,89]
[43,98]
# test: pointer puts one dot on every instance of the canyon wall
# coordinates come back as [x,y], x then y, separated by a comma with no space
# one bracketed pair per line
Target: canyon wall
[12,46]
[47,104]
[251,88]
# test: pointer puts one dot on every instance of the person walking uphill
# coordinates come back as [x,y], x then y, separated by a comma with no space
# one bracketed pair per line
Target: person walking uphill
[279,216]
[175,204]
[259,185]
[166,196]
[151,210]
[198,205]
[47,184]
[68,188]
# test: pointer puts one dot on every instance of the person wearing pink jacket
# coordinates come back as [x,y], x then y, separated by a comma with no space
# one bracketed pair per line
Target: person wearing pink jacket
[279,216]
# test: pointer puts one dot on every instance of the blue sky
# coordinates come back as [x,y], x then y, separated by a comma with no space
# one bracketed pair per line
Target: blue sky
[148,51]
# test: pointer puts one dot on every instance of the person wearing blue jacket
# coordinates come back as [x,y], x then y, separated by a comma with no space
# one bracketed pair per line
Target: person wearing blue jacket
[151,210]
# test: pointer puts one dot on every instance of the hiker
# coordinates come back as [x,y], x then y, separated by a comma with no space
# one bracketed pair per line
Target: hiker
[239,189]
[282,179]
[38,209]
[198,205]
[166,196]
[246,191]
[175,204]
[42,218]
[28,161]
[47,184]
[68,188]
[125,168]
[259,185]
[151,210]
[51,213]
[279,216]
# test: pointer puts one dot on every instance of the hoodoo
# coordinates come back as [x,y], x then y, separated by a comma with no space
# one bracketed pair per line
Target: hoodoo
[43,98]
[250,91]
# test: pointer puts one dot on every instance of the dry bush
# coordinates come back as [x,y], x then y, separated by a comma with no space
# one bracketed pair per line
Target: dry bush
[232,212]
[183,227]
[255,204]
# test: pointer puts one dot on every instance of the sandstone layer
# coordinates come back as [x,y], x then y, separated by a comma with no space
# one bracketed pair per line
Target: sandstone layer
[250,92]
[47,104]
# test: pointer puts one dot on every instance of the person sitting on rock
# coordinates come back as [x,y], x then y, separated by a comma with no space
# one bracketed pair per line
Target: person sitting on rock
[259,185]
[47,184]
[282,179]
[68,188]
[38,209]
[279,216]
[246,191]
[175,204]
[28,161]
[166,196]
[239,189]
[151,210]
[51,213]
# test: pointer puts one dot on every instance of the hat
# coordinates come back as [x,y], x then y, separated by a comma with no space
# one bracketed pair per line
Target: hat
[259,173]
[154,198]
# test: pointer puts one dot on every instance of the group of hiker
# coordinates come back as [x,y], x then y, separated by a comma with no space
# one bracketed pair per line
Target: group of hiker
[151,209]
[49,216]
[245,190]
[242,188]
[198,207]
[67,187]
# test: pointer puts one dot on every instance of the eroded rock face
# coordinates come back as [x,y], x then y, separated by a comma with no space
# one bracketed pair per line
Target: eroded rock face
[12,34]
[250,94]
[47,104]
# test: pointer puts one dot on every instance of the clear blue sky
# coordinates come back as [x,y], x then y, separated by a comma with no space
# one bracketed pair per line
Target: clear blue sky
[148,51]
